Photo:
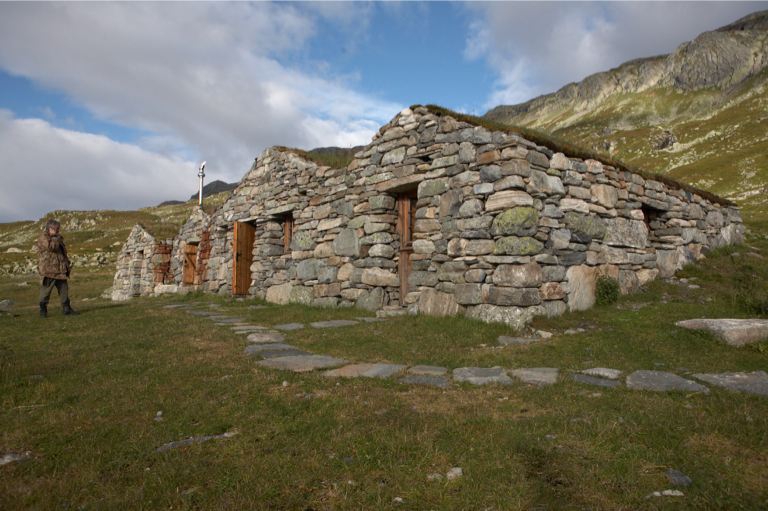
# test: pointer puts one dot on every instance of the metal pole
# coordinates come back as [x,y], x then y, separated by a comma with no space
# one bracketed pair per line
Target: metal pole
[201,175]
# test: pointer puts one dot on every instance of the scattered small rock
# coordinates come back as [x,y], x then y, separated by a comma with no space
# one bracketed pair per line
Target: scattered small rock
[23,284]
[435,477]
[159,416]
[10,458]
[665,493]
[454,473]
[542,334]
[677,478]
[187,492]
[191,440]
[7,304]
[550,437]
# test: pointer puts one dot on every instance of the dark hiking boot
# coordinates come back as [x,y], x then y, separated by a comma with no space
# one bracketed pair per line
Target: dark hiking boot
[68,310]
[43,310]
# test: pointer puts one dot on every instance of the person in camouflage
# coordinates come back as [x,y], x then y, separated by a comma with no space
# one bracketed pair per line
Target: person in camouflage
[53,266]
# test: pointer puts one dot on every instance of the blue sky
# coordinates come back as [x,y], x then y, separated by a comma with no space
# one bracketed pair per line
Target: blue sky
[114,105]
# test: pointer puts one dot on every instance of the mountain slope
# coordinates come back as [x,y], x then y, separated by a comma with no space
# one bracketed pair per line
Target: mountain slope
[699,114]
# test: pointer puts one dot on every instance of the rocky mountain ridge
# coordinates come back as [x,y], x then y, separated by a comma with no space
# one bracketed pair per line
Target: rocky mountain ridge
[722,58]
[699,114]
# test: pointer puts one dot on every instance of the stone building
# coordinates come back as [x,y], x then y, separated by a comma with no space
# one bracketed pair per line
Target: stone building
[439,216]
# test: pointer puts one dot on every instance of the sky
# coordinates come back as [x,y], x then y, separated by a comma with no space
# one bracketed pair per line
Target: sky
[114,105]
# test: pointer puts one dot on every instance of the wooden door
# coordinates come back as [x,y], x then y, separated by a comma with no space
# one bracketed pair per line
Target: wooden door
[242,253]
[406,217]
[190,265]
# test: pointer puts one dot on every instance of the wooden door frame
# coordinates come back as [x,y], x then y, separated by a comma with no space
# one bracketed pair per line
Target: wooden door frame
[242,257]
[405,229]
[189,265]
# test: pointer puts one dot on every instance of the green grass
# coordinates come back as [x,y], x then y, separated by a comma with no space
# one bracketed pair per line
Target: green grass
[89,421]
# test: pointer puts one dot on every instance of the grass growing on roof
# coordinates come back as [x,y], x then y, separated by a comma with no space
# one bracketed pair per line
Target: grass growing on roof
[569,149]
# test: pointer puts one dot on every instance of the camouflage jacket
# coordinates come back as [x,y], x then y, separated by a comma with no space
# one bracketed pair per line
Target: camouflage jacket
[52,260]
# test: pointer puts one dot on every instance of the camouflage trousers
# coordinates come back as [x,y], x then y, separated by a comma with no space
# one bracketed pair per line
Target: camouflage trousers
[61,285]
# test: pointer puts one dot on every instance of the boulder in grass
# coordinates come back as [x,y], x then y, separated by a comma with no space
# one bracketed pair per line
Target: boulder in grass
[734,332]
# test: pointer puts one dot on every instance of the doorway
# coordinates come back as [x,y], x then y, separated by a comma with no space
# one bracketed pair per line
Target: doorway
[189,267]
[406,218]
[242,253]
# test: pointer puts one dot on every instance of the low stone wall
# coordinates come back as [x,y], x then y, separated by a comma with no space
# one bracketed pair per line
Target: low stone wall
[503,229]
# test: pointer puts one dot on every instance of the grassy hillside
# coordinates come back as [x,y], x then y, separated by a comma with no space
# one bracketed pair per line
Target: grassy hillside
[93,238]
[715,139]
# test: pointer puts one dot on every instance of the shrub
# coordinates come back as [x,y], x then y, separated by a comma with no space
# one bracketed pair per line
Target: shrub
[607,291]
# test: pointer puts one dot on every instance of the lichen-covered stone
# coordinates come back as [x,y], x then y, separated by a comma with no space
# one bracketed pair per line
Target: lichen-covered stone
[621,232]
[515,317]
[592,226]
[301,294]
[521,221]
[432,187]
[302,240]
[519,297]
[518,275]
[514,245]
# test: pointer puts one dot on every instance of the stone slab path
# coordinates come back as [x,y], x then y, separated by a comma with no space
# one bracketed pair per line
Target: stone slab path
[482,375]
[505,340]
[752,383]
[366,371]
[288,327]
[662,382]
[302,363]
[429,381]
[537,375]
[275,354]
[265,337]
[332,324]
[591,380]
[734,332]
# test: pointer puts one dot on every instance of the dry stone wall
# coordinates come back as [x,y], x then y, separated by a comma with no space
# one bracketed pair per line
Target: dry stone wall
[134,275]
[503,229]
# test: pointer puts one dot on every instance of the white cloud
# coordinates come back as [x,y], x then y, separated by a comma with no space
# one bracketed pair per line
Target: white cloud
[538,47]
[205,80]
[47,168]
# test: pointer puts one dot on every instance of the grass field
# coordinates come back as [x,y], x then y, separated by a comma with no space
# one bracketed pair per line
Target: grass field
[80,396]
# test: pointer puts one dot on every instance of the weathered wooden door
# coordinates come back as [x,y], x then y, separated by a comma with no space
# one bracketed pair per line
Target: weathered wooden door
[406,216]
[242,254]
[190,265]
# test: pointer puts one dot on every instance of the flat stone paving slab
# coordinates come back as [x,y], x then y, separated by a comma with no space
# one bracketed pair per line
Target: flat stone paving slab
[302,363]
[289,326]
[428,370]
[590,380]
[365,370]
[281,353]
[180,306]
[429,381]
[662,382]
[505,340]
[371,320]
[482,375]
[755,382]
[255,348]
[203,313]
[219,318]
[333,324]
[541,376]
[603,372]
[265,337]
[734,332]
[248,328]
